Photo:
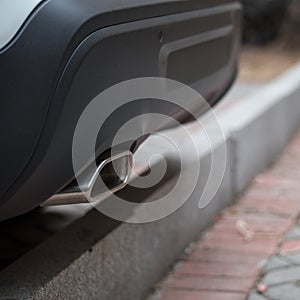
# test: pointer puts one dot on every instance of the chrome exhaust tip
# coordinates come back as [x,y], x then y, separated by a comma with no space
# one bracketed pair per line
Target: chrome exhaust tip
[115,173]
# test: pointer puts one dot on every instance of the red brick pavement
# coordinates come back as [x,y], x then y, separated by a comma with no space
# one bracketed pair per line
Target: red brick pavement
[226,262]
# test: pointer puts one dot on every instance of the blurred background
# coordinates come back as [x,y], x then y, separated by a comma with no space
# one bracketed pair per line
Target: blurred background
[271,40]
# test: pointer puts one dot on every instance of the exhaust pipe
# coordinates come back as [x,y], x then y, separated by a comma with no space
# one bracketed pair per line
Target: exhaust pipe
[115,172]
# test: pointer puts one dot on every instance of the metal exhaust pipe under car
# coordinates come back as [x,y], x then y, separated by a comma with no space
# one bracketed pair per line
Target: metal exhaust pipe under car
[114,171]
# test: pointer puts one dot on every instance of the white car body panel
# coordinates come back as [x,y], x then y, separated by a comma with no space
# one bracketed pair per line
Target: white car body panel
[13,14]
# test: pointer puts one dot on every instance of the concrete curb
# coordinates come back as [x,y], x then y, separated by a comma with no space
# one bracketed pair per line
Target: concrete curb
[98,258]
[260,126]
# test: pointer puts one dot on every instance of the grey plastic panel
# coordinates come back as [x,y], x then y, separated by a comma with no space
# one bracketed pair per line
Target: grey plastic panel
[13,13]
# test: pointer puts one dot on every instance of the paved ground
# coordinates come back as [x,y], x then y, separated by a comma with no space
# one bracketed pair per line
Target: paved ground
[21,234]
[253,250]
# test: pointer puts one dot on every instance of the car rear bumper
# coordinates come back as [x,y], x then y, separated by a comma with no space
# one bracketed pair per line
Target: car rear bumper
[68,51]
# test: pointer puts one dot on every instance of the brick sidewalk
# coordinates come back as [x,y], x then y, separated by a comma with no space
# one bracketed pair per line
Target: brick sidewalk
[253,250]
